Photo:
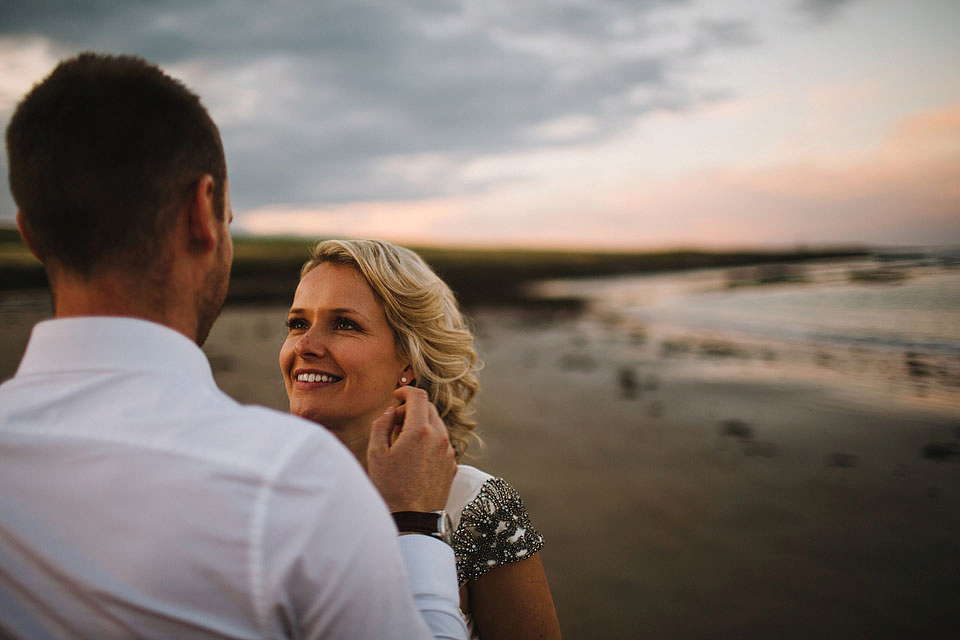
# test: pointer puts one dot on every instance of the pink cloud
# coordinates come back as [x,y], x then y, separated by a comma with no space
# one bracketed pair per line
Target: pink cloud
[906,190]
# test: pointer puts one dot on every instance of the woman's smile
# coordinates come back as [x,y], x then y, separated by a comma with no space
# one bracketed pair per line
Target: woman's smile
[340,362]
[314,379]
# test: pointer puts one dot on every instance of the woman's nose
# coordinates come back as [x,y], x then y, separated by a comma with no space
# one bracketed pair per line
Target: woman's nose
[311,343]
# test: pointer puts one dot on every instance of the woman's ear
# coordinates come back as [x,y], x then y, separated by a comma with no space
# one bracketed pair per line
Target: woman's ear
[406,376]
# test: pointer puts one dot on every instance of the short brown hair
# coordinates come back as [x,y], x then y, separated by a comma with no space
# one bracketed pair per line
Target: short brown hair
[102,154]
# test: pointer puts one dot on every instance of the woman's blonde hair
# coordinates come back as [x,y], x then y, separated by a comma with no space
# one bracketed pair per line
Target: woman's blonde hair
[428,327]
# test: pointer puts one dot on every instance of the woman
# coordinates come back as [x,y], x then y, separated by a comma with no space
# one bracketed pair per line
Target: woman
[367,318]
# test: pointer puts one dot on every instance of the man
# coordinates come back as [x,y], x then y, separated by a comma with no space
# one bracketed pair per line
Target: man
[138,499]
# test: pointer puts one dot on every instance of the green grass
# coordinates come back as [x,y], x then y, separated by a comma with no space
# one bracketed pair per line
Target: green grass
[266,269]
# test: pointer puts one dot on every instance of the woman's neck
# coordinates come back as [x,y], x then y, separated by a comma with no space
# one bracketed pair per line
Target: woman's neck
[353,436]
[357,444]
[353,433]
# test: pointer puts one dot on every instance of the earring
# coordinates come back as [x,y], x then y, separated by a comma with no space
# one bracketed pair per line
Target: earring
[403,380]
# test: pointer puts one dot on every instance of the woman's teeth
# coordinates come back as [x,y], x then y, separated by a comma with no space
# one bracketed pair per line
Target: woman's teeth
[316,377]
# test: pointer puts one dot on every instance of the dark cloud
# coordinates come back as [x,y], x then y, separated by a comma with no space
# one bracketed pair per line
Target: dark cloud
[820,11]
[312,97]
[714,34]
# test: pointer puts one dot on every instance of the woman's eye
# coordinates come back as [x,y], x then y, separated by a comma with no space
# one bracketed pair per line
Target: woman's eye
[344,324]
[296,323]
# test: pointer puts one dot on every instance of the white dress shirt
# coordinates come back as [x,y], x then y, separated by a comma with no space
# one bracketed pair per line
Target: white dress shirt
[138,500]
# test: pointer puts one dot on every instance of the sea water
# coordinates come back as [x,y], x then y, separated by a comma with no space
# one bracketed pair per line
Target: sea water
[819,303]
[876,332]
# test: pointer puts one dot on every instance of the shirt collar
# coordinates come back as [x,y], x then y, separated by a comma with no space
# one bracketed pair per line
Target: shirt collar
[111,343]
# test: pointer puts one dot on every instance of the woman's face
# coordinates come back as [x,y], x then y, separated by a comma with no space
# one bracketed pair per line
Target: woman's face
[339,361]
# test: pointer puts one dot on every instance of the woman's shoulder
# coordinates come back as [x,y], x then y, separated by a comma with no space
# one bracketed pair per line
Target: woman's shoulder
[465,471]
[470,477]
[466,486]
[491,524]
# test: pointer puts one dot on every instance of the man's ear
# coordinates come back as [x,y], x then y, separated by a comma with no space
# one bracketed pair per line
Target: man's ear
[201,215]
[27,238]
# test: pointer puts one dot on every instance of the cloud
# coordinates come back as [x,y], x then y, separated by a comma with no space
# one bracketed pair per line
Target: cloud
[822,11]
[400,221]
[931,134]
[23,62]
[322,93]
[904,191]
[598,122]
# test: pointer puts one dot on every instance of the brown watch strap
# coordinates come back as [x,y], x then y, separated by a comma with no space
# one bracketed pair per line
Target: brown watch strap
[417,522]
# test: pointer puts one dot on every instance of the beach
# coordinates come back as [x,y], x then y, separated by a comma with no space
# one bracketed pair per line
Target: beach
[691,483]
[718,505]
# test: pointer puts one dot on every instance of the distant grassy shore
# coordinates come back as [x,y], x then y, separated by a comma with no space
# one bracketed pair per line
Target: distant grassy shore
[266,269]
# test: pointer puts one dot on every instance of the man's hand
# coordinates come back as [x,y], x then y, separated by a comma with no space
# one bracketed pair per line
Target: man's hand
[413,468]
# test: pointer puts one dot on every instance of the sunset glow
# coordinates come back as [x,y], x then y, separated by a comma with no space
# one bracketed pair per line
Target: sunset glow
[620,125]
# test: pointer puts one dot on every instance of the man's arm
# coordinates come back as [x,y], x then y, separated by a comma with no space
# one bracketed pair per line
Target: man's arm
[431,567]
[409,457]
[412,464]
[334,565]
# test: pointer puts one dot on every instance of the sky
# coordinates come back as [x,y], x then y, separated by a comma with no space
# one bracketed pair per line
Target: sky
[600,124]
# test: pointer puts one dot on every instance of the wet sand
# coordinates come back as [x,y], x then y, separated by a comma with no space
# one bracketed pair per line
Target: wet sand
[715,496]
[690,487]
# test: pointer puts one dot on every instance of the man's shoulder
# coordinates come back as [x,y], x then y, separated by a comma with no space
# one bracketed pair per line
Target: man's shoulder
[258,437]
[256,420]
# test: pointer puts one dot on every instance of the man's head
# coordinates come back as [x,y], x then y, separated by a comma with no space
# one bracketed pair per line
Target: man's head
[103,154]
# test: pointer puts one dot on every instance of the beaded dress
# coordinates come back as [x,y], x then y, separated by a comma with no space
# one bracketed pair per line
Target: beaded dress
[491,526]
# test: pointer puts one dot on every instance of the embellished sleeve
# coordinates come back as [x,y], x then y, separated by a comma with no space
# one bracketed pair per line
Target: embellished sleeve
[494,529]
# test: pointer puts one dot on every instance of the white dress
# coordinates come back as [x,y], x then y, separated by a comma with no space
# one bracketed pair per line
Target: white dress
[491,527]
